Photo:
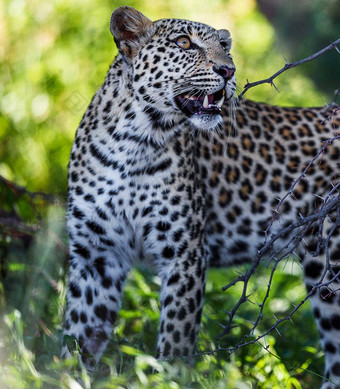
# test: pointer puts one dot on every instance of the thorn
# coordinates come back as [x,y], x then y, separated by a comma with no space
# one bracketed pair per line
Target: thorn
[320,197]
[272,84]
[304,242]
[297,255]
[287,62]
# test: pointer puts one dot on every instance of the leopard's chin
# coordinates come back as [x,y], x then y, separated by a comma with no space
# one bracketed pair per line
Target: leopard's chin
[206,121]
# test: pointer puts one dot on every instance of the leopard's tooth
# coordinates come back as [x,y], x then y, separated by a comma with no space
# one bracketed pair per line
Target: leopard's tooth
[206,102]
[220,102]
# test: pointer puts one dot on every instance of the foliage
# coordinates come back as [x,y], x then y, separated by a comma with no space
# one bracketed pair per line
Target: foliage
[293,21]
[53,56]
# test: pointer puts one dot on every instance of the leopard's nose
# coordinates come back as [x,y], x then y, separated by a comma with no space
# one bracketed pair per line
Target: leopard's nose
[225,71]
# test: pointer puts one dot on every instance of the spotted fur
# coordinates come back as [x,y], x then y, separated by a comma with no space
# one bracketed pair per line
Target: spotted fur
[159,176]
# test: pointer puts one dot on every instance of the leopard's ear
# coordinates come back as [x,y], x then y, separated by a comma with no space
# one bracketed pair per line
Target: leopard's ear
[130,29]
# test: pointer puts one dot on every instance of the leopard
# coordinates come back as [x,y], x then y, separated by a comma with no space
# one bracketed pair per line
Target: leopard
[169,170]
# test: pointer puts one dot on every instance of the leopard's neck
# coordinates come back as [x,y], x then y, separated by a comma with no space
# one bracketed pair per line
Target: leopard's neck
[119,130]
[132,123]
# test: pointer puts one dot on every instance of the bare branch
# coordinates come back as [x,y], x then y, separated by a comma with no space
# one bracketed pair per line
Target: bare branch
[329,209]
[22,190]
[289,65]
[332,204]
[297,180]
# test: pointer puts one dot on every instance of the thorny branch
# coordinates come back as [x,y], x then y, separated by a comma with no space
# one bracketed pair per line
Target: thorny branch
[296,181]
[288,65]
[327,208]
[22,190]
[297,231]
[10,221]
[331,206]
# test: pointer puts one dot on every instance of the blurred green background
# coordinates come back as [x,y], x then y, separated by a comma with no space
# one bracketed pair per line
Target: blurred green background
[53,57]
[55,54]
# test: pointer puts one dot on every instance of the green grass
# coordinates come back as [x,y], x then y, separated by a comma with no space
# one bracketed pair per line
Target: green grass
[34,283]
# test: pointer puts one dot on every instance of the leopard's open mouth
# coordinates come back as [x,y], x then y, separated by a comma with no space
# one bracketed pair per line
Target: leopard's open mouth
[195,103]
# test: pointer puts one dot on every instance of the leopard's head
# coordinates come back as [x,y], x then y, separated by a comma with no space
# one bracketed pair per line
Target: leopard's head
[177,68]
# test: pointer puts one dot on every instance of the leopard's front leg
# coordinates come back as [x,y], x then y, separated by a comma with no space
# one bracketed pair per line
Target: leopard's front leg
[182,295]
[100,259]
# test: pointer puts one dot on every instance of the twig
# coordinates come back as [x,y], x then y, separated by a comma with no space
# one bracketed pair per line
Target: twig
[302,226]
[289,65]
[319,284]
[296,181]
[14,227]
[332,204]
[22,190]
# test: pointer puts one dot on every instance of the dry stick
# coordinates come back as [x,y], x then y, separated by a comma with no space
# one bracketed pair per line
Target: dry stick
[288,65]
[332,204]
[321,283]
[321,241]
[22,190]
[316,286]
[269,244]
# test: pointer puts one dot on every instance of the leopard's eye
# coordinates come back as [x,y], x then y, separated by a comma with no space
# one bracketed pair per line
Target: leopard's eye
[184,42]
